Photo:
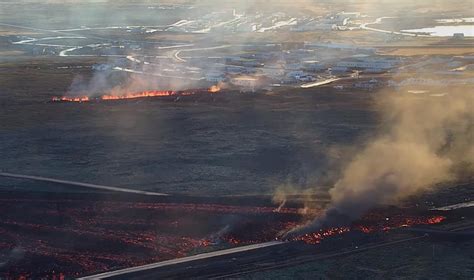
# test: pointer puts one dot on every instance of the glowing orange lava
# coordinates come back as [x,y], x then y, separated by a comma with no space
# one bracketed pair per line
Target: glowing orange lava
[71,99]
[214,89]
[152,93]
[435,220]
[134,95]
[111,238]
[398,222]
[316,237]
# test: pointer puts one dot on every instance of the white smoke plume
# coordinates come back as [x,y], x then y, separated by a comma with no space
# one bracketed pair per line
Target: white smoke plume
[424,142]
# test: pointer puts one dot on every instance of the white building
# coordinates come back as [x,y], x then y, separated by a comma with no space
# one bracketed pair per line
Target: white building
[245,83]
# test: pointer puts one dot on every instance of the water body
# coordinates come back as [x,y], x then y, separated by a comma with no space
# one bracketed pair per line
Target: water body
[445,30]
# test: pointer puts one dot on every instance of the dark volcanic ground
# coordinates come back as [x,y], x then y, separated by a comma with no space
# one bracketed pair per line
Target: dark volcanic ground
[42,234]
[225,144]
[231,144]
[45,234]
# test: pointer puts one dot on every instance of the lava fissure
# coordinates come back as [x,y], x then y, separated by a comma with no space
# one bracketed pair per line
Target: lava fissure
[135,95]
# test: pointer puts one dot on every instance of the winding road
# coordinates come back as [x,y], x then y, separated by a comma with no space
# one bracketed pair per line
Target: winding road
[379,20]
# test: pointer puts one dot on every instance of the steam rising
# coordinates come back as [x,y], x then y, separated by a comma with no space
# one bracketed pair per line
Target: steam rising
[424,143]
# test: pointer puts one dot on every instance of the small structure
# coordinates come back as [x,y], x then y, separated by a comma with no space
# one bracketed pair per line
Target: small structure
[367,85]
[313,65]
[101,67]
[338,69]
[458,36]
[215,77]
[245,83]
[349,15]
[273,71]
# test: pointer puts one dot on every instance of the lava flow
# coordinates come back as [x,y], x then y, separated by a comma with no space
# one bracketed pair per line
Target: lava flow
[71,99]
[135,95]
[262,231]
[153,93]
[371,223]
[77,236]
[214,89]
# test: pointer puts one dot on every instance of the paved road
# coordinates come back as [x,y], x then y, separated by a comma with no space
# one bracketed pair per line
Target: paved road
[379,20]
[78,184]
[456,206]
[237,263]
[177,58]
[296,260]
[189,259]
[319,83]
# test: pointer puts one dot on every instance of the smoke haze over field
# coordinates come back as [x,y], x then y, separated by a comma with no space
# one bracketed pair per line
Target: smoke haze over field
[422,144]
[423,140]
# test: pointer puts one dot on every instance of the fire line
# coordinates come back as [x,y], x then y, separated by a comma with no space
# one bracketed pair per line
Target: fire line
[135,95]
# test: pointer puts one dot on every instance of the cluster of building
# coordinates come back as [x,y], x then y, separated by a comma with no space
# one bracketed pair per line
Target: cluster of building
[302,65]
[339,21]
[232,21]
[263,64]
